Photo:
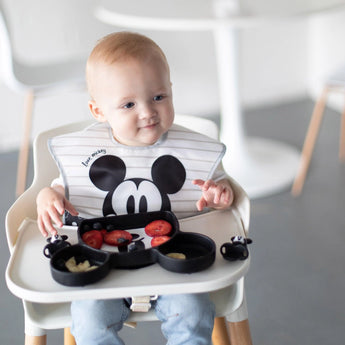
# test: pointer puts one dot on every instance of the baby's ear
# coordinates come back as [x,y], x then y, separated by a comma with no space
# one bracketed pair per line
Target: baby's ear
[96,111]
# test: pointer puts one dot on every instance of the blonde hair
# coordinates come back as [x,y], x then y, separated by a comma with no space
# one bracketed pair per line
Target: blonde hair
[119,46]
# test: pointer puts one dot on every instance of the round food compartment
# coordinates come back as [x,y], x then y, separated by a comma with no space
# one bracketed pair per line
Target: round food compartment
[88,265]
[187,253]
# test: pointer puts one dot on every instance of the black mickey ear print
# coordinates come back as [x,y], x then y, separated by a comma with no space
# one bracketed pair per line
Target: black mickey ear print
[168,174]
[107,172]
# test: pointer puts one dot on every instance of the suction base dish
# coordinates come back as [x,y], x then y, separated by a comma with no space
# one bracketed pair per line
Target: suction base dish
[199,250]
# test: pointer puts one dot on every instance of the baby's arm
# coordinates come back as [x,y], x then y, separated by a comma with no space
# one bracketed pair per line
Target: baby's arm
[218,195]
[51,205]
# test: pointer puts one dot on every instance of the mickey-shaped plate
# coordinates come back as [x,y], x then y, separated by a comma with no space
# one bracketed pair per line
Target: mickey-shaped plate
[195,252]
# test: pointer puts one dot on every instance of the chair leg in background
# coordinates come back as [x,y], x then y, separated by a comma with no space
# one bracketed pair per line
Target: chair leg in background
[25,146]
[240,333]
[220,335]
[342,138]
[68,337]
[309,143]
[35,340]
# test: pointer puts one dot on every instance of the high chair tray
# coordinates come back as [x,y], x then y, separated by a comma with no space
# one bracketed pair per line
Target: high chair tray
[28,273]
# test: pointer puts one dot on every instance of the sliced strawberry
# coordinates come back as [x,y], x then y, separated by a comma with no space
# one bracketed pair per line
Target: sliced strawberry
[158,227]
[117,238]
[158,240]
[93,239]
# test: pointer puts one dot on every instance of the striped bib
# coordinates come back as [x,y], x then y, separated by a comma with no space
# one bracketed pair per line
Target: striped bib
[103,177]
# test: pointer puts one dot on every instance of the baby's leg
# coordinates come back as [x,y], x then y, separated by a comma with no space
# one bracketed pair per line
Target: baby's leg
[186,319]
[97,322]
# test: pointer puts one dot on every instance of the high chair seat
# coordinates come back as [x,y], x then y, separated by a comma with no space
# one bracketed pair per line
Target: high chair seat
[41,316]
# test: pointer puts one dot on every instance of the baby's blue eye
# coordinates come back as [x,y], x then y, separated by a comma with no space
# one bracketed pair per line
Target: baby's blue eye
[158,98]
[129,105]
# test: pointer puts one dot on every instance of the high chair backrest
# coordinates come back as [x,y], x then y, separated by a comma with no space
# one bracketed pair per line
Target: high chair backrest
[45,170]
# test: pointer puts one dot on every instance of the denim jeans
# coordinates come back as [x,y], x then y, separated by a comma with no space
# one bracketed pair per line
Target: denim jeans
[186,319]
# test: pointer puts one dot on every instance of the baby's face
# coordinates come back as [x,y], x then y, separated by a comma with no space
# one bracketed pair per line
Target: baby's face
[135,98]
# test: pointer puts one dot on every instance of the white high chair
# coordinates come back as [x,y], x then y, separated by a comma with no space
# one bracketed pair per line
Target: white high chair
[335,83]
[34,80]
[230,302]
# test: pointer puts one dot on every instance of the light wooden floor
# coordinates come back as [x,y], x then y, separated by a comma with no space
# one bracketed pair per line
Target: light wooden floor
[297,272]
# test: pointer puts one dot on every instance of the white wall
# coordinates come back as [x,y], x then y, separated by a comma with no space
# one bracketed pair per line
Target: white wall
[326,40]
[274,62]
[277,62]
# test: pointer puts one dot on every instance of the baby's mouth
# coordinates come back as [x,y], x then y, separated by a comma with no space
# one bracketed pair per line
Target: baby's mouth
[150,126]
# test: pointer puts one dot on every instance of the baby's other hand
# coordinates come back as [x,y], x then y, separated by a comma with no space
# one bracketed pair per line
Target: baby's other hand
[51,205]
[218,195]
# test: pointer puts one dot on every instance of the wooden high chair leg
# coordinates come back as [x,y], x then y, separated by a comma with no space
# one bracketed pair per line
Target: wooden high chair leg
[24,149]
[68,337]
[240,333]
[342,138]
[35,340]
[220,335]
[309,143]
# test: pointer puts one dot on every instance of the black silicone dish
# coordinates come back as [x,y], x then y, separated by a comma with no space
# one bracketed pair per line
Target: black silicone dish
[199,250]
[81,253]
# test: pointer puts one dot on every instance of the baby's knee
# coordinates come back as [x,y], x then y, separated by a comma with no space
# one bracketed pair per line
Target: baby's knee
[98,314]
[188,318]
[184,305]
[198,304]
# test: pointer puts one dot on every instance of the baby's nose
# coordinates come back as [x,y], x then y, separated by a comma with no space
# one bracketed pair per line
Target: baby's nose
[147,111]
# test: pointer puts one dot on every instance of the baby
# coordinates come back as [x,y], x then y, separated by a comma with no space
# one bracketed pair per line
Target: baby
[134,159]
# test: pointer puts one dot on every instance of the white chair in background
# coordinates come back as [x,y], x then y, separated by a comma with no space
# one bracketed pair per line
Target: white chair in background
[230,301]
[34,80]
[335,83]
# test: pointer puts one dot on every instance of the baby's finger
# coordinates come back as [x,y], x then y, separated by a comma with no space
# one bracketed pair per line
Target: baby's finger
[208,184]
[47,223]
[198,182]
[41,227]
[201,203]
[225,198]
[55,217]
[218,194]
[70,208]
[59,207]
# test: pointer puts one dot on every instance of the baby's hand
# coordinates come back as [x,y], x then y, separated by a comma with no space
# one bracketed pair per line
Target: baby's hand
[51,205]
[218,195]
